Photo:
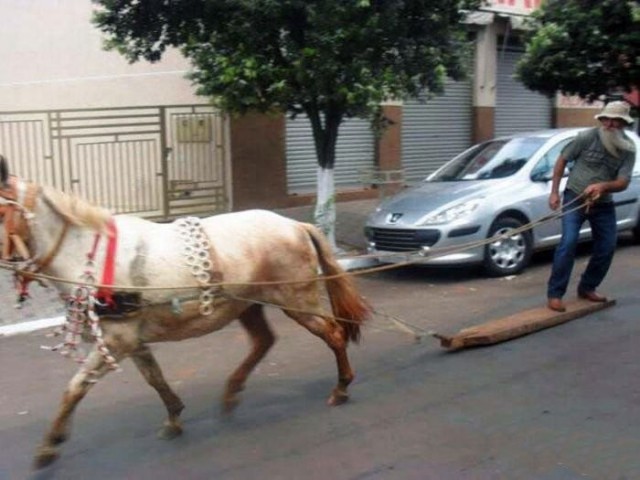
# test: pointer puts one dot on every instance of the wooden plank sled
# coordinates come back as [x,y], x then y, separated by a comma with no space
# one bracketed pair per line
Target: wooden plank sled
[519,324]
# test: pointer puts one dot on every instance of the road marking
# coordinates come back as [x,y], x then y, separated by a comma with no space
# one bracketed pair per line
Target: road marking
[26,327]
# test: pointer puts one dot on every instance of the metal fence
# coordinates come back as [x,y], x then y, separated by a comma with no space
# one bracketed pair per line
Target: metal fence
[157,162]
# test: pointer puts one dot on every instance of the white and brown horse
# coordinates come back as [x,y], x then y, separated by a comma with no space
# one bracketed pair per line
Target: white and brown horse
[257,256]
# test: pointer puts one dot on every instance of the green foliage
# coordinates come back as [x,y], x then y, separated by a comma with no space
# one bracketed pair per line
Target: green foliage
[331,59]
[583,47]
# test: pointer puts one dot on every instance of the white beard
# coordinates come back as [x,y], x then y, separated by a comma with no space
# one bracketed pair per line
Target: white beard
[614,141]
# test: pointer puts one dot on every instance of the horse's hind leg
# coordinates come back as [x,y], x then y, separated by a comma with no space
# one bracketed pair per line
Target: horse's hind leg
[262,339]
[335,337]
[150,370]
[94,368]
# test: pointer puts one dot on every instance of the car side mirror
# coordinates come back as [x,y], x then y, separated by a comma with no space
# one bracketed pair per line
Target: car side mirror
[541,176]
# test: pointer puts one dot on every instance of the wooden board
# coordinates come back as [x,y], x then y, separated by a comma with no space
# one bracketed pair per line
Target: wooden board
[519,324]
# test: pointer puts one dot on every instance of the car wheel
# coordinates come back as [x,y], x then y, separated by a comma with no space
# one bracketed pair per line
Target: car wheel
[507,255]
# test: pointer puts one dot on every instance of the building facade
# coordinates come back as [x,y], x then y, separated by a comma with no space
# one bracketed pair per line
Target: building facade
[54,64]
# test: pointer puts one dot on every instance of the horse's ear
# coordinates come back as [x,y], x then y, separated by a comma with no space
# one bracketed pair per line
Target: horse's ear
[4,170]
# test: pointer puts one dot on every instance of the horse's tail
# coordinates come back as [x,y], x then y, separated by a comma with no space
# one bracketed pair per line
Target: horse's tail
[350,309]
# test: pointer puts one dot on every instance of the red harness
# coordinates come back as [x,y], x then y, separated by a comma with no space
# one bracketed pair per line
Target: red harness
[105,293]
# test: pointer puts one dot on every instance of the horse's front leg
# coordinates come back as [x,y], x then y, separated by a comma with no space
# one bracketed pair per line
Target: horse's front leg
[148,366]
[262,339]
[94,368]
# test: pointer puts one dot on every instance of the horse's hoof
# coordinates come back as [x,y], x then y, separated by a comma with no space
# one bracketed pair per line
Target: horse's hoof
[229,405]
[169,432]
[337,398]
[45,457]
[58,438]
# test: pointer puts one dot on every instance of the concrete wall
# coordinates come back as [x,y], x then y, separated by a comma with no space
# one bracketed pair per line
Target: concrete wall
[575,112]
[485,81]
[258,170]
[52,57]
[575,117]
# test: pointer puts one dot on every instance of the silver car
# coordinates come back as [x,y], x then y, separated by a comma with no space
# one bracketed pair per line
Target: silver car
[490,189]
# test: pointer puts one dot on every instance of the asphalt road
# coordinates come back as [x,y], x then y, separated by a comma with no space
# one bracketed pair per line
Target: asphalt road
[560,404]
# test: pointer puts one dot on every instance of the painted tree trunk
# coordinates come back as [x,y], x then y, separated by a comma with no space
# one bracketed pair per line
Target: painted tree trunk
[324,215]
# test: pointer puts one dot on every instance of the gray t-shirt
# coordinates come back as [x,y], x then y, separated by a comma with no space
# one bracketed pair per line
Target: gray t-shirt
[592,163]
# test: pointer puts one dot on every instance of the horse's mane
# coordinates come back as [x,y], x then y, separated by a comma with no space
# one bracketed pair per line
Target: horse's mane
[76,210]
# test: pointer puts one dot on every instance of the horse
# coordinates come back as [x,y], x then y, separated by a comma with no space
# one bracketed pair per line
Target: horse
[251,259]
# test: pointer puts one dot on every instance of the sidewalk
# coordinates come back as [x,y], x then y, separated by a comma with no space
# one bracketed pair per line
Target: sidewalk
[45,304]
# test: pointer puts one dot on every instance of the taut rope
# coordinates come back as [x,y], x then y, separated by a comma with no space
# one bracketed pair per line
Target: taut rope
[432,253]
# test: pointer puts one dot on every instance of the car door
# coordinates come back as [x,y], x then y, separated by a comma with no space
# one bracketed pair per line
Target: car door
[547,233]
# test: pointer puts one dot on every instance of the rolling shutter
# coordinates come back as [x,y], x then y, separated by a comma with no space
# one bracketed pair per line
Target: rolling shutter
[436,131]
[354,152]
[518,109]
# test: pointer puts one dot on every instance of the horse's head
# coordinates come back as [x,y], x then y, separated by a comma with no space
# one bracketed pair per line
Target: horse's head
[13,216]
[20,201]
[5,199]
[4,171]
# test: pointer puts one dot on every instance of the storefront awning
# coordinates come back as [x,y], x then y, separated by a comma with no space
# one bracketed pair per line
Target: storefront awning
[516,21]
[479,18]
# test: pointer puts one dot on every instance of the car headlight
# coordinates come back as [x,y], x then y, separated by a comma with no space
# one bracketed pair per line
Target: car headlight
[451,214]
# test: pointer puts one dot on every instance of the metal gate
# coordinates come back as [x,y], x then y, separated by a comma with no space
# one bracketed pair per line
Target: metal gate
[156,162]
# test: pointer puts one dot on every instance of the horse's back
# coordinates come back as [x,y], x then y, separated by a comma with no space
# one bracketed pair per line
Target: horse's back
[244,247]
[259,237]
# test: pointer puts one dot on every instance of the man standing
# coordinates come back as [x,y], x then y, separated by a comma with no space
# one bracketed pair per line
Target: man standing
[602,159]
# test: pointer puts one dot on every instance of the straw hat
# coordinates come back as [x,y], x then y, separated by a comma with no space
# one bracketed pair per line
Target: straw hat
[616,109]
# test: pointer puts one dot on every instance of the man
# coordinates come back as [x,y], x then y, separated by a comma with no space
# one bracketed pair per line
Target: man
[602,159]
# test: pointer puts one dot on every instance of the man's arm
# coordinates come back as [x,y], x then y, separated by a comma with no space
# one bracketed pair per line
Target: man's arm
[558,172]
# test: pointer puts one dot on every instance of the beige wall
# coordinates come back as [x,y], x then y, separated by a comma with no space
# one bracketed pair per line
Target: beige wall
[576,117]
[52,57]
[575,112]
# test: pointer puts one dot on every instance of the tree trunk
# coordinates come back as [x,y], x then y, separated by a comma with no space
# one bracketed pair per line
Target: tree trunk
[325,138]
[324,215]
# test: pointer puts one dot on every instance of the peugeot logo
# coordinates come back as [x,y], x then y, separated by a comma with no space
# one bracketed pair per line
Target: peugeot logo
[394,217]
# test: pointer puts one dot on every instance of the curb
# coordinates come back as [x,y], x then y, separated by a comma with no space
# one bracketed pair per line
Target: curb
[357,263]
[31,326]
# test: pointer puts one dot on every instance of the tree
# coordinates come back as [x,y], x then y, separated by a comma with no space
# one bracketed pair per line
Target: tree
[587,48]
[328,59]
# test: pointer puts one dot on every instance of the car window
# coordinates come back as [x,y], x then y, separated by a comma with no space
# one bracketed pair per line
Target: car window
[544,168]
[489,160]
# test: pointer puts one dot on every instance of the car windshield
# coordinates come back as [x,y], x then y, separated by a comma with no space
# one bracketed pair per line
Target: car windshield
[494,159]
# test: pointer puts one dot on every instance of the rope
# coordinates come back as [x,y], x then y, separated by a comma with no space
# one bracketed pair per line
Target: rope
[478,243]
[416,332]
[435,253]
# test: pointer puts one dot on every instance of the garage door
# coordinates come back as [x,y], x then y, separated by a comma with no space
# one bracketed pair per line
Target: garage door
[354,152]
[518,109]
[435,131]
